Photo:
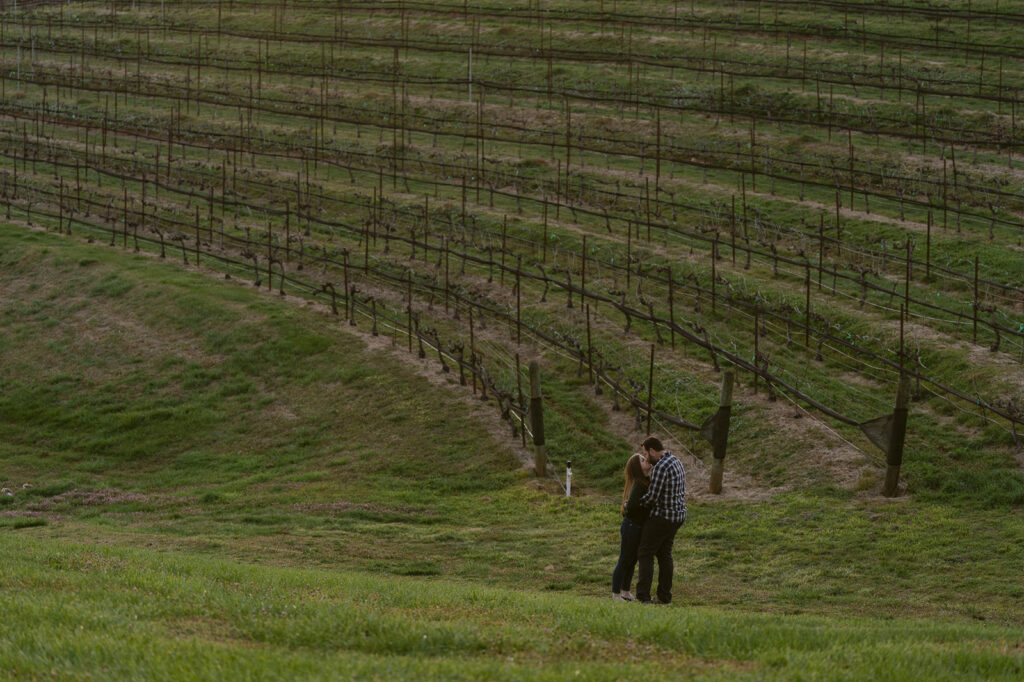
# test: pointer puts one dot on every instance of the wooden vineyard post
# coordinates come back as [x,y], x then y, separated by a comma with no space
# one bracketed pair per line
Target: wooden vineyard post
[894,452]
[540,459]
[720,433]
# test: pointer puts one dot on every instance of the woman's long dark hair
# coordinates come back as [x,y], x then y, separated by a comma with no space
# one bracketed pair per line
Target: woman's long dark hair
[634,474]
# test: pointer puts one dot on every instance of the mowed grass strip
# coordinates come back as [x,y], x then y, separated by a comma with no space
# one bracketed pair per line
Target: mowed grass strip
[81,612]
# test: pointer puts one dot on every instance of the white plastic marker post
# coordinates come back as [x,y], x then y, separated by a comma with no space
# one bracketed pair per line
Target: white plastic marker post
[568,478]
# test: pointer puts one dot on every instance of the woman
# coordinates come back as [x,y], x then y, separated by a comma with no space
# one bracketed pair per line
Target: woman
[638,472]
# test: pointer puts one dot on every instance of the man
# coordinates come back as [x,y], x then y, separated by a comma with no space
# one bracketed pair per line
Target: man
[666,498]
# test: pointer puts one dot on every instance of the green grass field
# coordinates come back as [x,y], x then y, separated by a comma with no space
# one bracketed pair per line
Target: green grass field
[212,472]
[222,484]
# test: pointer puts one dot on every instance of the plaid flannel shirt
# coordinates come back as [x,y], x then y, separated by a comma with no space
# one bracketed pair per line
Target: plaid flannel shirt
[666,495]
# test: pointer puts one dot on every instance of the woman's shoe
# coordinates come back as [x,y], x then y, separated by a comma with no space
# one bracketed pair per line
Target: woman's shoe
[628,597]
[616,595]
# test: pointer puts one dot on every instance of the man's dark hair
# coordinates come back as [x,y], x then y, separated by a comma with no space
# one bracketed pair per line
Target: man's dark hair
[652,443]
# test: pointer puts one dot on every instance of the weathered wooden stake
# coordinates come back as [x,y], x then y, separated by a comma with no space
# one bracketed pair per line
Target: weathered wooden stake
[720,433]
[894,454]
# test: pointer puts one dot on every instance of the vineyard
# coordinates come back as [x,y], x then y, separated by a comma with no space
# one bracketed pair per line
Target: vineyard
[821,196]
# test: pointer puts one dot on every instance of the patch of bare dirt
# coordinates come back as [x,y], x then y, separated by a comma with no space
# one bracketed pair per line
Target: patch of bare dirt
[978,355]
[824,450]
[104,323]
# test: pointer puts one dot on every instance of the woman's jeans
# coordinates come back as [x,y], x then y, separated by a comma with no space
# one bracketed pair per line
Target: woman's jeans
[622,576]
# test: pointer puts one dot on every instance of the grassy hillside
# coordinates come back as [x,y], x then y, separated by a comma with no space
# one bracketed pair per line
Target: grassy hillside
[222,482]
[272,271]
[755,186]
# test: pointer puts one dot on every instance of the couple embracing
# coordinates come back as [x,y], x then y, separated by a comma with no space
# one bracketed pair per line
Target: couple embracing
[653,510]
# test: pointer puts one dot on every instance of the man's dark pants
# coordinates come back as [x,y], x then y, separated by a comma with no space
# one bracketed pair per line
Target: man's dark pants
[656,541]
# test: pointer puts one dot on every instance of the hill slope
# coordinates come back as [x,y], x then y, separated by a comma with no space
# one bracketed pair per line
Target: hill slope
[821,198]
[221,481]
